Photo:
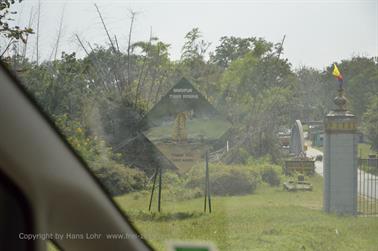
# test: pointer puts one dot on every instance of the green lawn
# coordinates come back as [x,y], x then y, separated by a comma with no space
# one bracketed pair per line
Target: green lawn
[270,219]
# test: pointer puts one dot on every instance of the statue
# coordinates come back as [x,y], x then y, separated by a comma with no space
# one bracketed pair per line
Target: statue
[179,133]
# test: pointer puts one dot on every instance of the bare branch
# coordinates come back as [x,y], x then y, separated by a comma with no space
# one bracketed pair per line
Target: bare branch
[106,29]
[133,13]
[37,40]
[116,41]
[7,47]
[81,44]
[27,35]
[55,50]
[142,70]
[95,63]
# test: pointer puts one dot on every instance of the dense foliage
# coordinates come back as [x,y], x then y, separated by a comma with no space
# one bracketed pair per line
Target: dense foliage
[245,78]
[99,99]
[371,121]
[116,177]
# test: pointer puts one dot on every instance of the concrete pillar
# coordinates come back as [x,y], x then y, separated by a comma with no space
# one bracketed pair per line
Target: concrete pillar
[340,159]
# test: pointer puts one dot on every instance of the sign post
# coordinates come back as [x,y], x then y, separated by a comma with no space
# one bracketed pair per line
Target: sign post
[207,183]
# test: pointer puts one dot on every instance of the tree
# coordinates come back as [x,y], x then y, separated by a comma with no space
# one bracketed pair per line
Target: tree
[60,86]
[370,124]
[155,68]
[11,33]
[230,49]
[194,48]
[257,95]
[193,65]
[360,83]
[311,94]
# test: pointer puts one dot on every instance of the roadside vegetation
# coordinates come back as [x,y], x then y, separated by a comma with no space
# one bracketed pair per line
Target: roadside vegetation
[268,218]
[247,79]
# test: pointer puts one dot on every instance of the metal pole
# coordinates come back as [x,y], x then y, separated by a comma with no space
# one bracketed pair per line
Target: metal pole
[370,193]
[360,183]
[159,196]
[365,192]
[208,180]
[153,189]
[375,195]
[375,189]
[359,186]
[204,204]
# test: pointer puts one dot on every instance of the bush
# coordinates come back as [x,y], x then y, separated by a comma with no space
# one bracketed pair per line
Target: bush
[119,179]
[171,179]
[270,176]
[175,189]
[224,180]
[269,173]
[234,182]
[105,164]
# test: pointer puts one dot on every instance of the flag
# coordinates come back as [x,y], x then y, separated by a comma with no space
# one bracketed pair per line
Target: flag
[337,73]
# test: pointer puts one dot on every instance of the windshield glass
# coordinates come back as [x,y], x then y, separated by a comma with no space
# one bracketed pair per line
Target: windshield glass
[241,125]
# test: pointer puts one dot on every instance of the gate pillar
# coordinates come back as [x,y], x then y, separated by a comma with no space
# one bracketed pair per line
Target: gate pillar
[340,159]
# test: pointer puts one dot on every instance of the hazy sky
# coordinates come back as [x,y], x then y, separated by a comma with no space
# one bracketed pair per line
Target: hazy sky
[317,32]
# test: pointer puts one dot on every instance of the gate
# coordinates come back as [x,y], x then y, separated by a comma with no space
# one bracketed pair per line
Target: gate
[367,186]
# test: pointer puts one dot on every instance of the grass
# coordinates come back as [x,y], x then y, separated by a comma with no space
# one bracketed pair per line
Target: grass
[364,150]
[367,205]
[270,219]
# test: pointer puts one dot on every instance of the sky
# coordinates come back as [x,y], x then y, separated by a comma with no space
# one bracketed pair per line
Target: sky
[318,33]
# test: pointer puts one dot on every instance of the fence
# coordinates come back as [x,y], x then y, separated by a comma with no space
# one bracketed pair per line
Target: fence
[367,186]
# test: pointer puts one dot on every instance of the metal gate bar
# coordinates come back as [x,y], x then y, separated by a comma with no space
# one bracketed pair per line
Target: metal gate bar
[367,186]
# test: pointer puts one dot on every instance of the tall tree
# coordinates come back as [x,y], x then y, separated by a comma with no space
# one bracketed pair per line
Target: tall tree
[230,49]
[257,94]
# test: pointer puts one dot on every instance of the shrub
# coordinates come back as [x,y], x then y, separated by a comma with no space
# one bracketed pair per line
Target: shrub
[171,179]
[175,189]
[224,180]
[119,179]
[105,164]
[270,176]
[234,182]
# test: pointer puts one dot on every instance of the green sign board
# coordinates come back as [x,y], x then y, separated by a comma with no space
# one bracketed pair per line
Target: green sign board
[183,125]
[191,249]
[191,246]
